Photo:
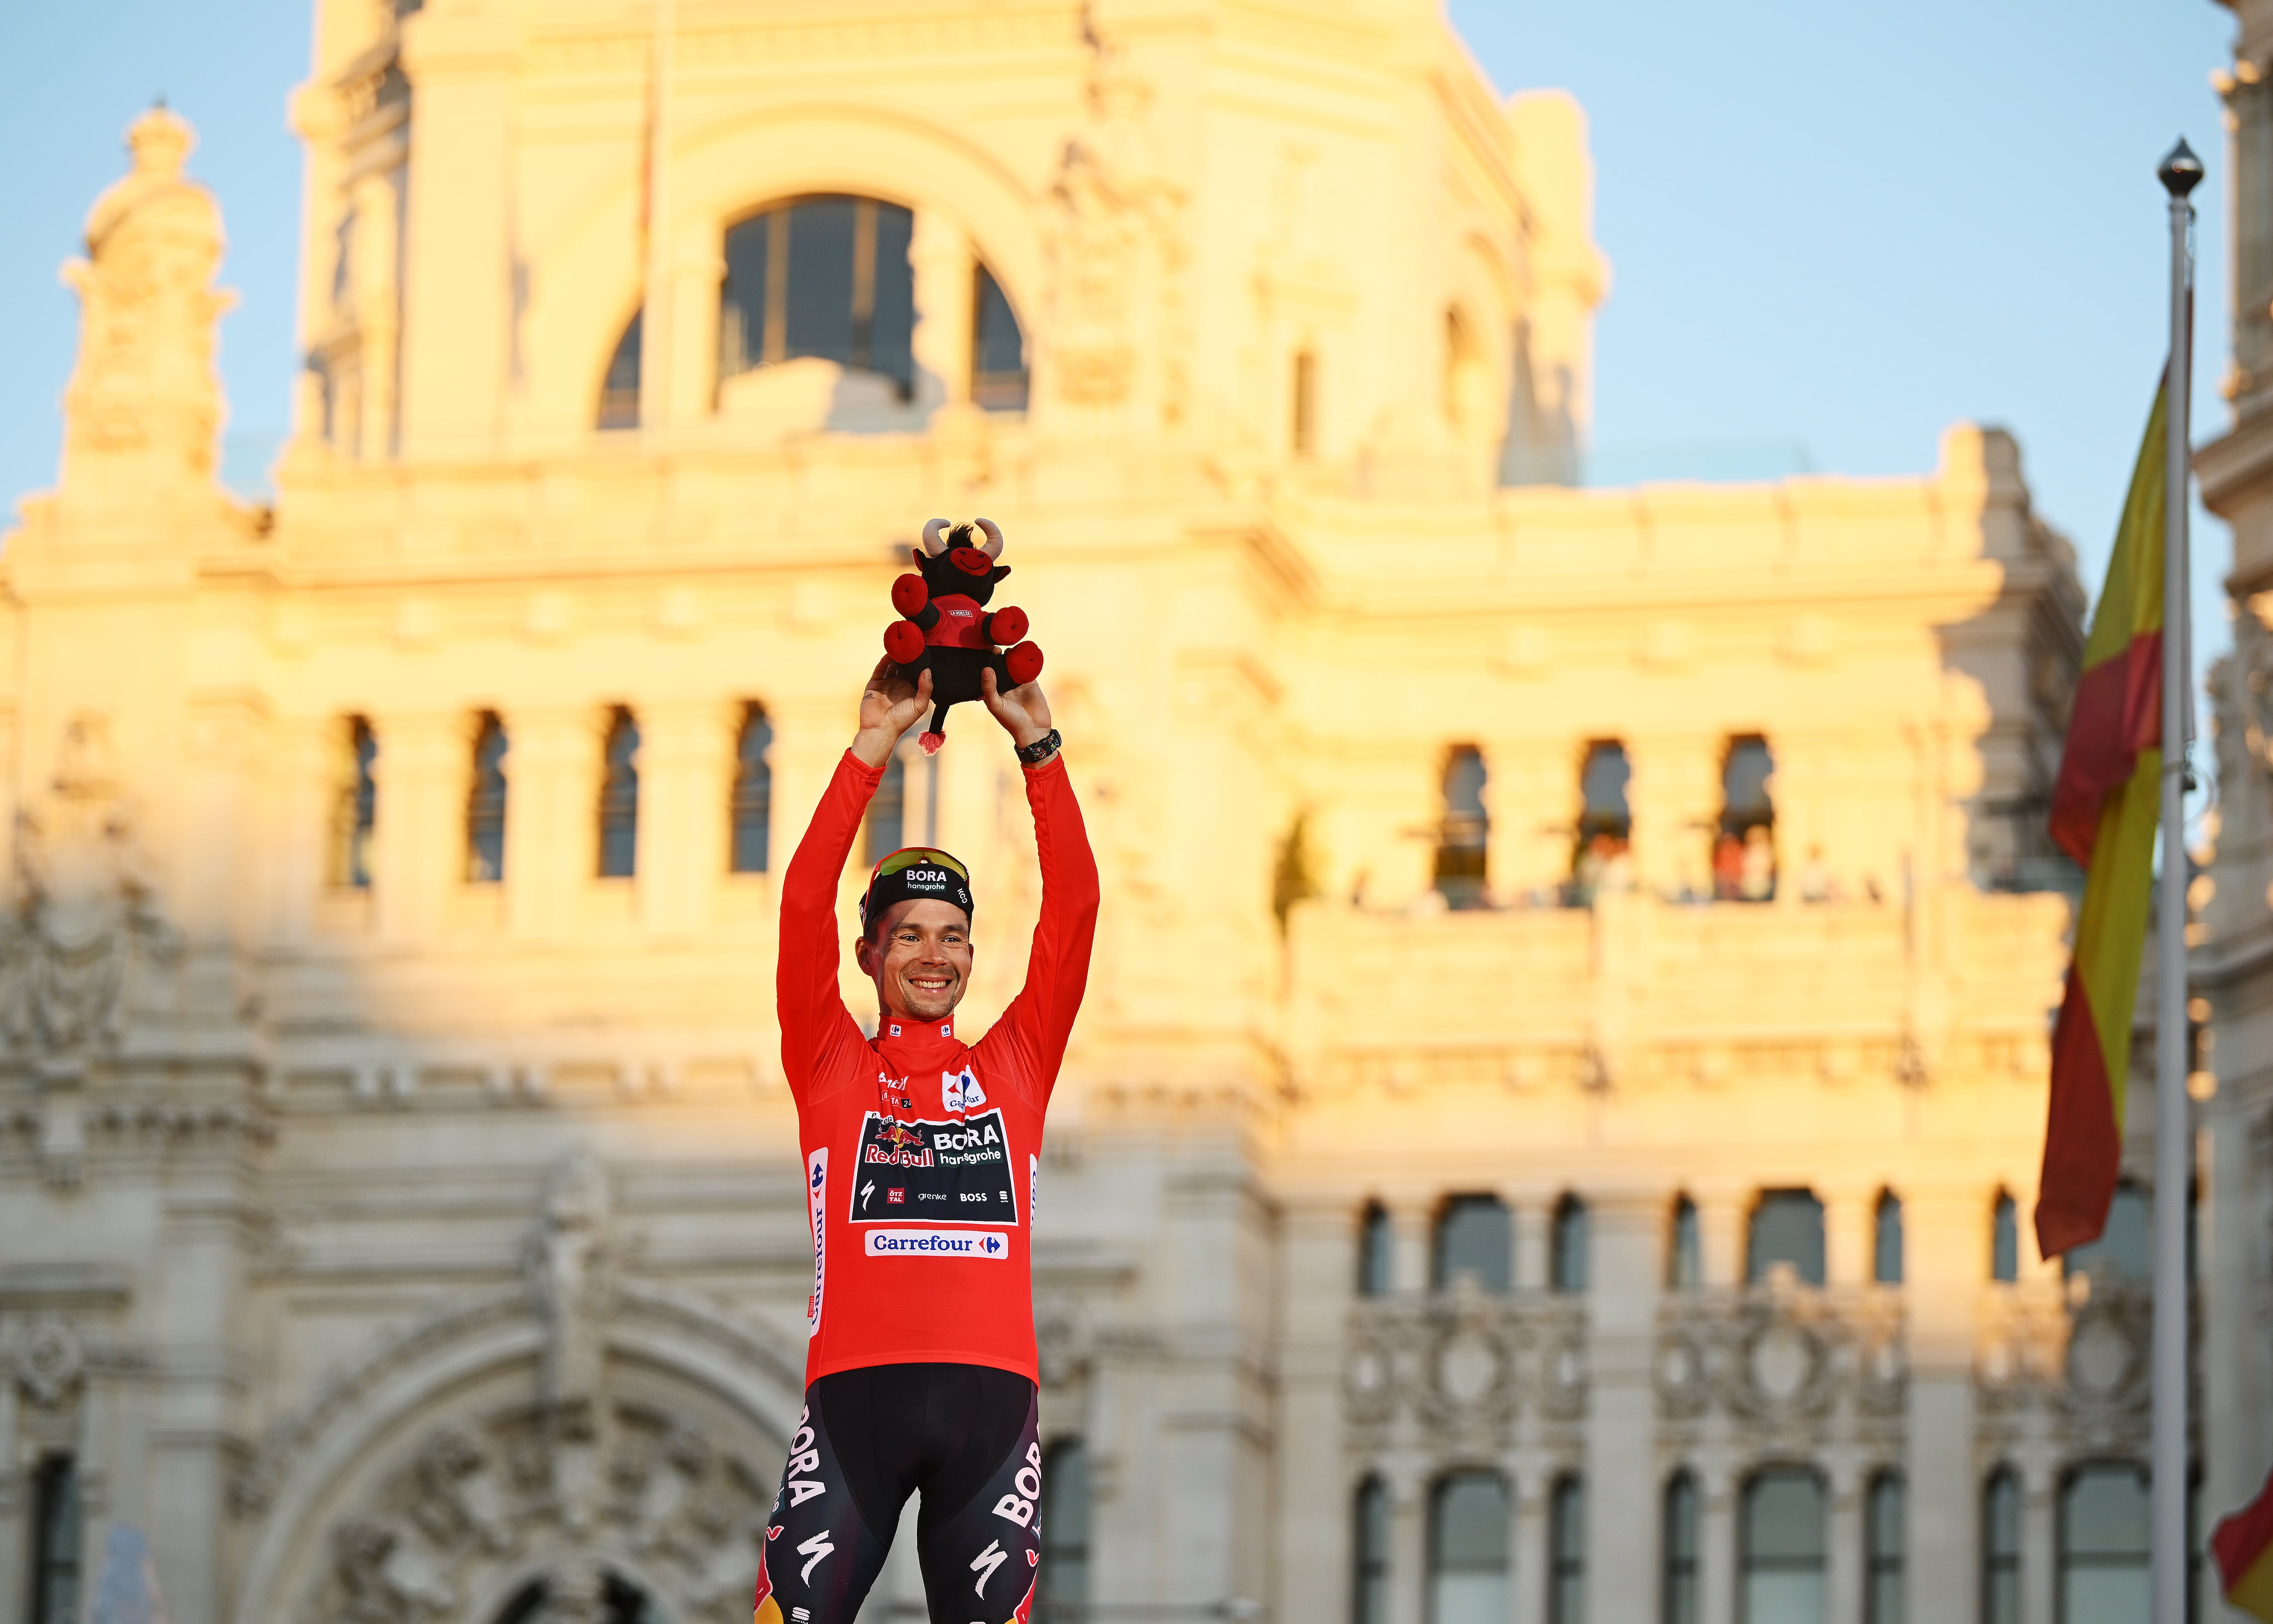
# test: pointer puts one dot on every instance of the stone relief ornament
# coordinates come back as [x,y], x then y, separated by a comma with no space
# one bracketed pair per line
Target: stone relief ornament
[49,1360]
[1464,1363]
[1780,1354]
[568,1262]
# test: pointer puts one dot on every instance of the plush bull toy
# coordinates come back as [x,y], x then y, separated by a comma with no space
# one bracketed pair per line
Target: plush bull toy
[945,626]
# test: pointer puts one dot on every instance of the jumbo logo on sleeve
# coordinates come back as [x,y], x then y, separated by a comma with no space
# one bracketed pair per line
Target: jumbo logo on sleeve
[933,1173]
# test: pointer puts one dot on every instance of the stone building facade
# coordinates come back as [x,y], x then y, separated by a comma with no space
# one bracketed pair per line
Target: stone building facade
[1552,1127]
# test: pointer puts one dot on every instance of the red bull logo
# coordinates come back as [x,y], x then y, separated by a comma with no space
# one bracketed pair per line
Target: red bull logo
[899,1136]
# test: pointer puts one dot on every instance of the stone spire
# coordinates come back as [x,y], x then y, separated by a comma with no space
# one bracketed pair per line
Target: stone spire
[143,412]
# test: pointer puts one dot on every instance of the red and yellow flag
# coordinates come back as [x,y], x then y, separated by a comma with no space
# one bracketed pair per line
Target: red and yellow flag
[2243,1545]
[2105,808]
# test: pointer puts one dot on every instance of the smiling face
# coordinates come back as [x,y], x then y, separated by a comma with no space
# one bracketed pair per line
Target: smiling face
[919,957]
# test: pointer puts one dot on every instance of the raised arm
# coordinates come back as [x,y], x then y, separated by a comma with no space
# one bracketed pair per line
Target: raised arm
[812,1010]
[1039,1020]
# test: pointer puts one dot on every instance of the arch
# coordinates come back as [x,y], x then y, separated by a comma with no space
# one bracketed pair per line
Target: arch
[588,272]
[474,1367]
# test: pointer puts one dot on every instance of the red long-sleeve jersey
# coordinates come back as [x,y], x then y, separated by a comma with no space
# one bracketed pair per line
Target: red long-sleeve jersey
[921,1152]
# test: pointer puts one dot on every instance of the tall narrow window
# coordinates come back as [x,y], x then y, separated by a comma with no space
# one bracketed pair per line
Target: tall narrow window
[1787,1227]
[1064,1571]
[1465,835]
[356,812]
[56,1541]
[620,797]
[751,812]
[1883,1515]
[619,389]
[1599,860]
[1887,1239]
[825,276]
[1782,1549]
[1566,1259]
[2125,1249]
[1566,1550]
[1468,1549]
[2005,1241]
[1743,846]
[2001,1548]
[888,810]
[1677,1582]
[486,804]
[1377,1252]
[1369,1553]
[1475,1239]
[2102,1546]
[1305,425]
[1684,1251]
[998,347]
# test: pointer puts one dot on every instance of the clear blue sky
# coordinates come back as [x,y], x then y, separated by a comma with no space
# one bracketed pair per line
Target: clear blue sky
[1841,226]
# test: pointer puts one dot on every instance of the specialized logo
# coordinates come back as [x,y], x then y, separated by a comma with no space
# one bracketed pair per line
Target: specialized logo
[1019,1507]
[990,1245]
[954,1171]
[816,1195]
[987,1561]
[961,1090]
[820,1545]
[804,1456]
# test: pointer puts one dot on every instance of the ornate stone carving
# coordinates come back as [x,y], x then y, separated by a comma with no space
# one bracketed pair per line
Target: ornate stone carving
[48,1359]
[568,1262]
[1780,1354]
[1464,1364]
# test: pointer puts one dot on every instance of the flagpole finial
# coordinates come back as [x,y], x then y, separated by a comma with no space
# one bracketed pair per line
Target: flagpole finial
[2180,171]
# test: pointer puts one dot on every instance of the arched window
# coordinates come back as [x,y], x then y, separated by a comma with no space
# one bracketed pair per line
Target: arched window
[355,809]
[2125,1249]
[1684,1251]
[1677,1582]
[1304,428]
[888,810]
[486,804]
[621,1602]
[1468,1549]
[2103,1545]
[619,389]
[1567,1256]
[1887,1239]
[2001,1548]
[1369,1553]
[1780,1550]
[1743,846]
[751,808]
[1787,1227]
[1566,1550]
[2005,1239]
[998,347]
[825,276]
[1464,837]
[1598,858]
[1883,1533]
[1474,1238]
[56,1536]
[1377,1252]
[620,797]
[1063,1575]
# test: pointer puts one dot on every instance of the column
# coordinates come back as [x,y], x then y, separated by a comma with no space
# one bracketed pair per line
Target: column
[1623,1525]
[697,270]
[1676,797]
[1844,1569]
[458,314]
[418,832]
[551,820]
[686,776]
[1313,1528]
[298,868]
[1716,1546]
[1948,1240]
[2039,1540]
[1411,1223]
[1721,1216]
[940,256]
[1534,1222]
[215,890]
[1850,1233]
[373,426]
[1531,791]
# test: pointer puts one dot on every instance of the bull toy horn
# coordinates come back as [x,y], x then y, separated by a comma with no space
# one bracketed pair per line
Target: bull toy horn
[934,537]
[992,546]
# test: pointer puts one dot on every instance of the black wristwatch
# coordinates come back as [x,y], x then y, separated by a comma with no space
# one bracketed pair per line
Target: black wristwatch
[1042,750]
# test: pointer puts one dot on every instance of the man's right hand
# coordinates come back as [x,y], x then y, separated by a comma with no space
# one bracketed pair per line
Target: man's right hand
[890,705]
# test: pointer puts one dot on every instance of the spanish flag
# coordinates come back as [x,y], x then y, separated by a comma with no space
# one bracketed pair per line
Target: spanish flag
[2105,807]
[2243,1545]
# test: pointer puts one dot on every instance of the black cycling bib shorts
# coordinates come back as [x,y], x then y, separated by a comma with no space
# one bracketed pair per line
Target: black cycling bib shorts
[965,1437]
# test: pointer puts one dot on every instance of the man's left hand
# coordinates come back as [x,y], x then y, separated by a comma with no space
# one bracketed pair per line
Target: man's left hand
[1022,712]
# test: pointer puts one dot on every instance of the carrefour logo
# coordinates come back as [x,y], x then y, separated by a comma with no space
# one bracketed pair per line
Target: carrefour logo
[991,1245]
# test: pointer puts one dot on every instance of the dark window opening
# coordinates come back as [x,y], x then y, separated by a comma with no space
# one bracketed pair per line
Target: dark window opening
[485,805]
[1377,1252]
[1684,1261]
[1599,860]
[619,389]
[826,276]
[621,1602]
[1787,1227]
[1887,1239]
[1474,1238]
[1566,1551]
[751,810]
[55,1535]
[2000,1549]
[356,812]
[620,797]
[1743,846]
[1780,1548]
[1468,1549]
[1883,1518]
[2005,1241]
[1464,837]
[1567,1256]
[1678,1584]
[999,377]
[2126,1247]
[2104,1559]
[1369,1552]
[1062,1587]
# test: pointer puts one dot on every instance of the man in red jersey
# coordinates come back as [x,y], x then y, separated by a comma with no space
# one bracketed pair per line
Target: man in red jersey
[920,1164]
